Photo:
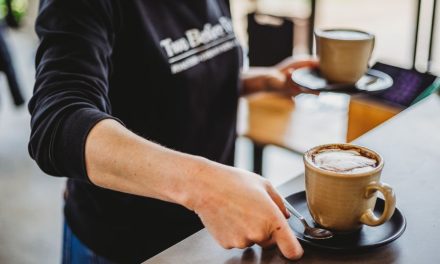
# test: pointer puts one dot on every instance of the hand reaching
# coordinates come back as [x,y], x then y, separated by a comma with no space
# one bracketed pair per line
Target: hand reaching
[240,209]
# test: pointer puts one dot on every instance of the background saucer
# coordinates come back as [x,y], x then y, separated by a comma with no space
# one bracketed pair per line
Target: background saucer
[372,81]
[367,237]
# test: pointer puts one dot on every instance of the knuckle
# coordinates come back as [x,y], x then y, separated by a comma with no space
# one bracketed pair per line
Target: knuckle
[273,219]
[241,244]
[225,245]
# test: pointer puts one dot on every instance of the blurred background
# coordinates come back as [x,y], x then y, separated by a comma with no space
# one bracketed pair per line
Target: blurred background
[31,202]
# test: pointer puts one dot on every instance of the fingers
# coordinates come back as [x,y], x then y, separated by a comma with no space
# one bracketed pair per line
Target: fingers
[286,241]
[242,244]
[282,235]
[304,63]
[275,80]
[277,199]
[291,64]
[288,67]
[237,242]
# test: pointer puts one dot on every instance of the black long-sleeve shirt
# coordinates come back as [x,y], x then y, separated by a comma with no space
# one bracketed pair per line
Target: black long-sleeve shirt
[168,70]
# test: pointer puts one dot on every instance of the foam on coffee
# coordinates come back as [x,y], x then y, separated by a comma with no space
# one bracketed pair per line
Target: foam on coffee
[343,160]
[345,34]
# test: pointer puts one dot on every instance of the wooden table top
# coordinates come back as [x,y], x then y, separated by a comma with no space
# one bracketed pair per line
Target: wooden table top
[299,123]
[410,145]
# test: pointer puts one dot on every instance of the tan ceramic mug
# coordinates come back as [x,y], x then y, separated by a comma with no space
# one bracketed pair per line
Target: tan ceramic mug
[343,54]
[343,201]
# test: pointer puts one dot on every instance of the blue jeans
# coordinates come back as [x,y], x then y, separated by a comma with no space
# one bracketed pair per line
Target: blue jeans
[75,252]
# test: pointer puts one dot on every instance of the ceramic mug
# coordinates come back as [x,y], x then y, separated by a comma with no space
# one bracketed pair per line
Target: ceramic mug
[343,54]
[343,202]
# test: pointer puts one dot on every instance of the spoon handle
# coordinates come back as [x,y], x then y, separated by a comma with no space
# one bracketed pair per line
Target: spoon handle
[293,210]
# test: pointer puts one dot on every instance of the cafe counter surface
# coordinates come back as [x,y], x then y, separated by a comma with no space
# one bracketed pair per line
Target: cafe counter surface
[410,145]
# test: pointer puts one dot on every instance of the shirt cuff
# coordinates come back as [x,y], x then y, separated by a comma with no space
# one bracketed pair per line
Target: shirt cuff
[70,141]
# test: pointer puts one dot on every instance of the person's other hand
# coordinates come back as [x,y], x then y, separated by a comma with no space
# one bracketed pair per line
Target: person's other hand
[240,209]
[290,64]
[276,78]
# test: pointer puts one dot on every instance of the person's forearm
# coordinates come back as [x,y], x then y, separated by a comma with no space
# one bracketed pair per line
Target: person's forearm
[118,159]
[237,207]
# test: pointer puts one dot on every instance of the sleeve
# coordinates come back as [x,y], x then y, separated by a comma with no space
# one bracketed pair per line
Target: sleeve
[72,80]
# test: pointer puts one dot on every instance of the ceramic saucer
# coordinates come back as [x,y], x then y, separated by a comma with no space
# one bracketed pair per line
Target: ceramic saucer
[367,237]
[372,81]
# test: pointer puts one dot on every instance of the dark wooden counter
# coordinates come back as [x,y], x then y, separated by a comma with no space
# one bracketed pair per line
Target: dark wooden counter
[410,145]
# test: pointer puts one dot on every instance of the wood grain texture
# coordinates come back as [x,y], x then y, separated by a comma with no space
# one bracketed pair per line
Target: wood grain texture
[365,114]
[275,119]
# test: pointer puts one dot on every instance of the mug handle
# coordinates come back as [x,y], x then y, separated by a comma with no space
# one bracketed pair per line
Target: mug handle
[372,46]
[368,216]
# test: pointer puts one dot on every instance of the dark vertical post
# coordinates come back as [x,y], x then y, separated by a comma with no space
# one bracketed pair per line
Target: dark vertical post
[312,24]
[416,34]
[258,158]
[431,36]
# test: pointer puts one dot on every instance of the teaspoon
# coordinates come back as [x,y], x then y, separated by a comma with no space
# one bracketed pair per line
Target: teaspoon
[309,232]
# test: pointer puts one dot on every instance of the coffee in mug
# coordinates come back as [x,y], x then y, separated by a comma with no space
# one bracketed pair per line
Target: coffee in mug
[341,185]
[343,54]
[343,160]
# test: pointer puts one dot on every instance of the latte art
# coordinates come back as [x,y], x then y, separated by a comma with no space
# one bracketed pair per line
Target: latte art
[343,161]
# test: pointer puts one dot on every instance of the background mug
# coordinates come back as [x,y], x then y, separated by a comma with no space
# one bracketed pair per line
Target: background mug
[343,54]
